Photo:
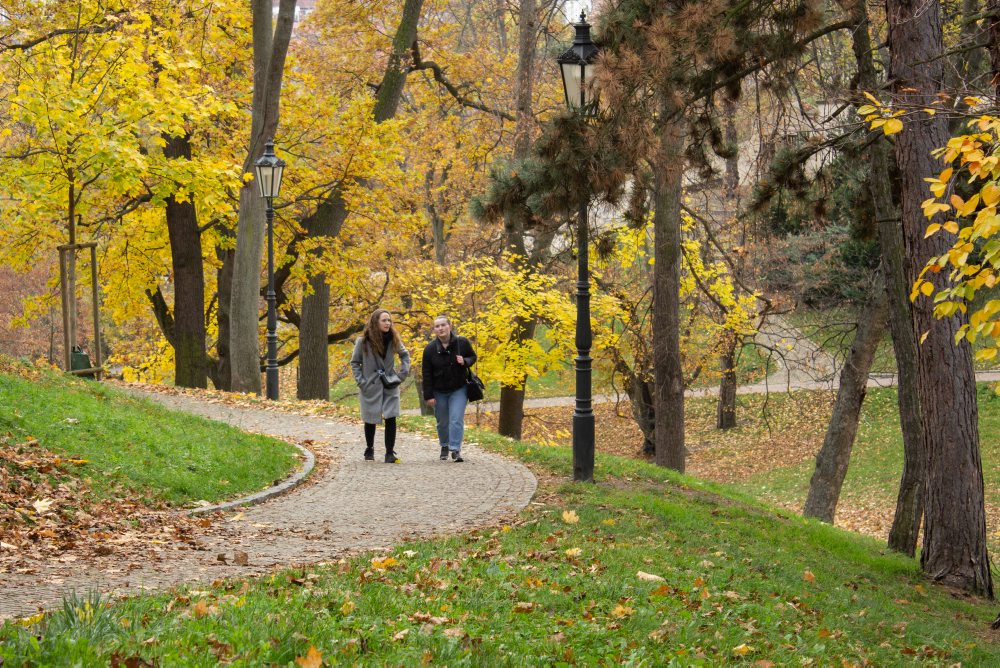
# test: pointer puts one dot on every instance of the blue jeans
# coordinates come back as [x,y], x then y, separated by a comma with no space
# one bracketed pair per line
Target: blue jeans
[450,413]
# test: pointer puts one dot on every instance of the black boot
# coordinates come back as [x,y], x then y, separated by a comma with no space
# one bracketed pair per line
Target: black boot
[444,453]
[391,458]
[369,454]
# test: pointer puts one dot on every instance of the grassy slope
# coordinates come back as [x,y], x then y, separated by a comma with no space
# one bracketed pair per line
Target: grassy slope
[164,455]
[877,457]
[741,584]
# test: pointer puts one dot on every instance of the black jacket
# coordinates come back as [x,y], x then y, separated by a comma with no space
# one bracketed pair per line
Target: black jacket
[441,373]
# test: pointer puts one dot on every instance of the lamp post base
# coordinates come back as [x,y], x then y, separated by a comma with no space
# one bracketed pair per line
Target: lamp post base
[583,447]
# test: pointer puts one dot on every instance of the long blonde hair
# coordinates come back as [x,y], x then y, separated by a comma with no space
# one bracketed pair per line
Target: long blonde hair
[373,335]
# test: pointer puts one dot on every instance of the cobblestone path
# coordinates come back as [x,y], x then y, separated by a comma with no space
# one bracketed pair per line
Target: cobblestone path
[350,506]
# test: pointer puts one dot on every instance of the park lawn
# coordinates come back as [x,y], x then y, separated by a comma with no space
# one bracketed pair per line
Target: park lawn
[134,443]
[877,459]
[741,584]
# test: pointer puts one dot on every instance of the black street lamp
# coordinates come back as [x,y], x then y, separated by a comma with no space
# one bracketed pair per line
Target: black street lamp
[577,67]
[269,168]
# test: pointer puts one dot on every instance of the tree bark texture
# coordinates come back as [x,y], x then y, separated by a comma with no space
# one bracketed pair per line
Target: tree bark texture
[510,421]
[330,215]
[954,545]
[190,361]
[726,414]
[881,162]
[993,22]
[669,397]
[269,51]
[835,455]
[221,373]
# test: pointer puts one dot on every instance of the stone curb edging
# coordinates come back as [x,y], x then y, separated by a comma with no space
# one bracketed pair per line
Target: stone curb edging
[270,492]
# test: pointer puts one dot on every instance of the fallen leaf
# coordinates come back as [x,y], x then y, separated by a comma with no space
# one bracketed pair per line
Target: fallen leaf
[742,649]
[649,577]
[347,608]
[312,659]
[524,606]
[570,517]
[574,552]
[455,632]
[620,611]
[42,506]
[241,558]
[401,635]
[808,576]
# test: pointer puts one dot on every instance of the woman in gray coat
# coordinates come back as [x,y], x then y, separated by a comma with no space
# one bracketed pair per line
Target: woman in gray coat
[374,368]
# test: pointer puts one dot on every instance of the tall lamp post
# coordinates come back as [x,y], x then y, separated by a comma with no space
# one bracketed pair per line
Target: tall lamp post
[577,67]
[269,168]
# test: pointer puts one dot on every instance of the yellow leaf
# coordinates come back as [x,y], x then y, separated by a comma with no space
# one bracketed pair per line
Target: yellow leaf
[931,229]
[620,611]
[951,226]
[312,659]
[574,552]
[927,288]
[929,111]
[347,608]
[990,194]
[570,517]
[741,650]
[923,337]
[892,126]
[31,621]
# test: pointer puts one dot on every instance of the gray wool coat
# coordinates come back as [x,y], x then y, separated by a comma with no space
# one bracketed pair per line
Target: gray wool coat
[377,402]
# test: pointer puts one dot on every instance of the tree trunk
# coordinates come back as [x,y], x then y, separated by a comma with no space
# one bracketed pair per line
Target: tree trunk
[669,398]
[329,218]
[269,51]
[993,12]
[835,455]
[726,415]
[511,418]
[221,373]
[909,504]
[190,361]
[954,545]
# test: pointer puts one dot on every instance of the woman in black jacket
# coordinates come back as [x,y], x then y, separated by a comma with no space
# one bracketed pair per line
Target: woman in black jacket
[445,371]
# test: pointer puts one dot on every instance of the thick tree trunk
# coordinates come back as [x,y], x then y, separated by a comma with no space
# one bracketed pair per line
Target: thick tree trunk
[669,397]
[221,374]
[190,361]
[909,504]
[511,418]
[269,51]
[954,546]
[726,414]
[835,455]
[329,218]
[993,11]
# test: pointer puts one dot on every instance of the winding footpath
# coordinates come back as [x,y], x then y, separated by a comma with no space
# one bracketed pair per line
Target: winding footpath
[352,505]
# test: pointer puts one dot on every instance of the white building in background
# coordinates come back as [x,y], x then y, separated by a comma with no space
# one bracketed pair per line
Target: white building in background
[302,8]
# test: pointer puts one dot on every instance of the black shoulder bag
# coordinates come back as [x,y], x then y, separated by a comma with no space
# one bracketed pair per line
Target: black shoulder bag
[473,385]
[389,380]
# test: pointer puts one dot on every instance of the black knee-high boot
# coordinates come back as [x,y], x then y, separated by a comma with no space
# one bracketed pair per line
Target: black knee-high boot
[390,440]
[369,440]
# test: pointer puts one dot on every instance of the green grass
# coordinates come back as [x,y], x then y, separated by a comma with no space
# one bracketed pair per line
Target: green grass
[877,456]
[163,455]
[741,583]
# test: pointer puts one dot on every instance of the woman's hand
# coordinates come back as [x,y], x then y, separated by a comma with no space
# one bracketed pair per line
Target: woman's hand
[431,402]
[460,359]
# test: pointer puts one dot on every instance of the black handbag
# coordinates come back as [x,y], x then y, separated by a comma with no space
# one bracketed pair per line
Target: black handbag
[474,387]
[389,380]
